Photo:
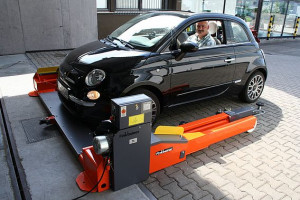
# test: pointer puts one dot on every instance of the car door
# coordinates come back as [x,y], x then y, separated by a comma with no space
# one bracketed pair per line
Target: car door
[246,52]
[205,73]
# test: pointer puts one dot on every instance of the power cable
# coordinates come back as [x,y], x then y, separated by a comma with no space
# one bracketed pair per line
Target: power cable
[96,183]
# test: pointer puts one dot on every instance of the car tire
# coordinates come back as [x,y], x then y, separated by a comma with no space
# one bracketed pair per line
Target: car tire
[253,87]
[155,102]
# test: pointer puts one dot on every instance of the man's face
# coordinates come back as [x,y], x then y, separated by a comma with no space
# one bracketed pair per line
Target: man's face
[202,28]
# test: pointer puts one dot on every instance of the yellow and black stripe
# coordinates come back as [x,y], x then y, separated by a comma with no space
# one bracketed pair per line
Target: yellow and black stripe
[296,26]
[270,26]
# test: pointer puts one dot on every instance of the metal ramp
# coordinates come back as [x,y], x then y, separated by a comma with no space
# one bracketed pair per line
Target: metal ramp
[77,133]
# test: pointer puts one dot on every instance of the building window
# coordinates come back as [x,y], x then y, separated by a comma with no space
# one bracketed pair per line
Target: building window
[152,4]
[200,6]
[131,5]
[128,5]
[139,4]
[101,4]
[247,10]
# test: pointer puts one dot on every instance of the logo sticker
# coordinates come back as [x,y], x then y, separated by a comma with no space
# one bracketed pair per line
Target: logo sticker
[136,106]
[147,106]
[164,151]
[133,141]
[123,111]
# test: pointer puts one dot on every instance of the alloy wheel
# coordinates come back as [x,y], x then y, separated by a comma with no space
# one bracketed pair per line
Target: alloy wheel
[255,87]
[154,111]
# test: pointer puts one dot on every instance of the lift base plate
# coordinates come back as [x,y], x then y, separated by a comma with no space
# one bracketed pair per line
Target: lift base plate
[76,132]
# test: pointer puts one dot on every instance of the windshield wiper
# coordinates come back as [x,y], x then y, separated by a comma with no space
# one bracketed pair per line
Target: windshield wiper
[109,39]
[126,44]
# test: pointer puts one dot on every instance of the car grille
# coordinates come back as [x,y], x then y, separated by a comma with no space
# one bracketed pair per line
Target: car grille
[69,75]
[71,79]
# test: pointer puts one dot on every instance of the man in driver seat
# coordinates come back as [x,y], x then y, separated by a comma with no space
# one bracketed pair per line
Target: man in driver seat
[202,36]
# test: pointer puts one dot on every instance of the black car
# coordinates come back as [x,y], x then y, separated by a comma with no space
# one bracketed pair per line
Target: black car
[151,54]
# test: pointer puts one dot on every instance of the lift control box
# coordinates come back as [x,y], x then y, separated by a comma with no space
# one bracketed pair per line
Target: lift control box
[132,110]
[131,143]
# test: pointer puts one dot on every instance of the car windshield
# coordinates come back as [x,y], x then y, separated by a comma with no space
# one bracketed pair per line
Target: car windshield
[145,31]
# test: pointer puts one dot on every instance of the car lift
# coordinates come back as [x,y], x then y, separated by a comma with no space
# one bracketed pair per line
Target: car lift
[122,151]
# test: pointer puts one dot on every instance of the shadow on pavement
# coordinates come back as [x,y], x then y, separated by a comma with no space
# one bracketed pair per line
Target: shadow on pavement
[196,175]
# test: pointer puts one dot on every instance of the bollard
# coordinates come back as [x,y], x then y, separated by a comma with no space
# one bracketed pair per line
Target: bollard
[271,22]
[296,27]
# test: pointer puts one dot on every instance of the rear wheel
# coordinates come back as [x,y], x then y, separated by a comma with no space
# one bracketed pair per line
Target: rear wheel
[155,102]
[253,87]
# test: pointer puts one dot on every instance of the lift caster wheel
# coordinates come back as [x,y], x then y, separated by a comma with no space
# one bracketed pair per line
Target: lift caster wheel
[252,129]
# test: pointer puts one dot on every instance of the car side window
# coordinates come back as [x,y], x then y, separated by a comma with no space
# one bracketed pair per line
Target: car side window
[203,33]
[237,34]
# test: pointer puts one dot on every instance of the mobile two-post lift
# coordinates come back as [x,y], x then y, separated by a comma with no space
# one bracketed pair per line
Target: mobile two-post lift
[123,151]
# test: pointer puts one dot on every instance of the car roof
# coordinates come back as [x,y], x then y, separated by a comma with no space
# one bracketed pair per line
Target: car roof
[182,13]
[192,15]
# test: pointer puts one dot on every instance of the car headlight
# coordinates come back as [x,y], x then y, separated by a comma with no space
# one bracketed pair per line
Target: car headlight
[95,77]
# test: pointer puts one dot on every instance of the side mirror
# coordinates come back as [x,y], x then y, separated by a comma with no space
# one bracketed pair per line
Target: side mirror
[186,47]
[189,47]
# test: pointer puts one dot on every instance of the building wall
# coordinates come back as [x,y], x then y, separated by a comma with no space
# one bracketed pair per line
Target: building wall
[108,22]
[11,33]
[34,25]
[110,16]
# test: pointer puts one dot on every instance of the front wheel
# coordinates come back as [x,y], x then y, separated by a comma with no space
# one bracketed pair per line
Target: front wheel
[253,87]
[155,102]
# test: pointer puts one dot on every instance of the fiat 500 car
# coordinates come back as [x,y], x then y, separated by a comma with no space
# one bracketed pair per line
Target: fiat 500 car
[152,54]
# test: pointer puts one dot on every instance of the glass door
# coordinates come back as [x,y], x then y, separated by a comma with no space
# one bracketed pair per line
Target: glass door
[276,8]
[290,22]
[245,9]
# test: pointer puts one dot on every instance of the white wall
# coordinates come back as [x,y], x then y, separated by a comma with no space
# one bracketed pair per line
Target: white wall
[46,24]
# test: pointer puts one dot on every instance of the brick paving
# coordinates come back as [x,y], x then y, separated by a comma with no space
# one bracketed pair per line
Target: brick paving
[47,58]
[262,165]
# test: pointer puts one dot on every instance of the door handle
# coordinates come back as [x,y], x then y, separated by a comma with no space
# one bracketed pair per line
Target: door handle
[229,59]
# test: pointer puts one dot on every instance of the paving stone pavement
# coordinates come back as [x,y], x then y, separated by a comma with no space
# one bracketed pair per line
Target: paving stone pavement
[262,165]
[47,58]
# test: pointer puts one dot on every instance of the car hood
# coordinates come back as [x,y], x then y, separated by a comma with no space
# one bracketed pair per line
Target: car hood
[103,54]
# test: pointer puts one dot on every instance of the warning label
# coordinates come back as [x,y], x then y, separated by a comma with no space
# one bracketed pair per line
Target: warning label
[123,111]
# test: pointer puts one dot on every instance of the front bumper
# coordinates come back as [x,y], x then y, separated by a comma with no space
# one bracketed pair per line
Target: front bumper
[64,91]
[89,111]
